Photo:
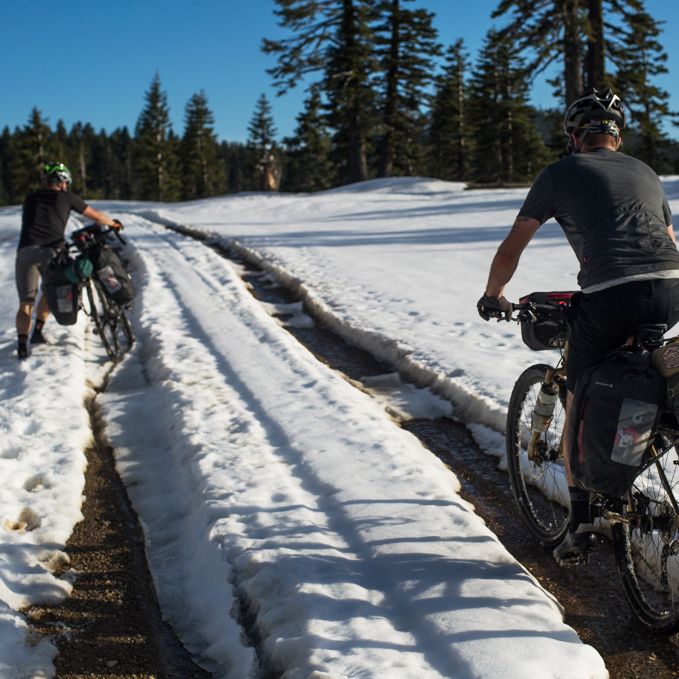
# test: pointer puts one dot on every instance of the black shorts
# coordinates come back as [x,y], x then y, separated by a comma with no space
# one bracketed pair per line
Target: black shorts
[605,319]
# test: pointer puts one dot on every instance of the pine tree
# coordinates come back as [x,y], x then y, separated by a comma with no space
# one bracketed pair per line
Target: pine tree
[239,162]
[155,164]
[307,154]
[579,33]
[448,143]
[332,38]
[34,146]
[640,58]
[80,143]
[507,147]
[119,179]
[405,46]
[262,140]
[6,165]
[202,168]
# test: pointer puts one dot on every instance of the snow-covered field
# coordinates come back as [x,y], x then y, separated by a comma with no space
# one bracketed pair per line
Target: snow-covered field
[265,480]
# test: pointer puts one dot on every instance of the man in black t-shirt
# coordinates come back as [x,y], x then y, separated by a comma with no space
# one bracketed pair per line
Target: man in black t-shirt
[614,213]
[44,219]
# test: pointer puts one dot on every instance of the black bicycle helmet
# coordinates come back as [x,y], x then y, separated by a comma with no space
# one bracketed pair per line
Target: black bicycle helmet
[55,173]
[601,112]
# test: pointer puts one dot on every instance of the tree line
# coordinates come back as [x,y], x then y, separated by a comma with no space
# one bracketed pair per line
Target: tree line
[384,98]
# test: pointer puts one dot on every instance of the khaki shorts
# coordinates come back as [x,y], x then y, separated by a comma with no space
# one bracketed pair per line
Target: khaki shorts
[30,266]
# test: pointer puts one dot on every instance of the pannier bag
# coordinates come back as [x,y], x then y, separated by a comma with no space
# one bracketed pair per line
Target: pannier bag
[616,407]
[550,330]
[666,362]
[113,276]
[61,291]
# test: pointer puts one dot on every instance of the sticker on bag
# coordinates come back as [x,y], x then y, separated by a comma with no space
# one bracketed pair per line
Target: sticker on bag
[633,433]
[65,301]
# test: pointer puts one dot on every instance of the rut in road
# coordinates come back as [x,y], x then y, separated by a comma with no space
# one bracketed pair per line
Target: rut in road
[111,624]
[591,596]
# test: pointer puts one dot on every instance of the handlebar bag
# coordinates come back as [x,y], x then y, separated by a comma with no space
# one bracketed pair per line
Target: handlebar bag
[616,407]
[547,330]
[113,276]
[61,292]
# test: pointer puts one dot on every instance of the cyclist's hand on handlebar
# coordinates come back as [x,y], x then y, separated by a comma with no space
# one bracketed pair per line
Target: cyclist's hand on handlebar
[117,225]
[494,307]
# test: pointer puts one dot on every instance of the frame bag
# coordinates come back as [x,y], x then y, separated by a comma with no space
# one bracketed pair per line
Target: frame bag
[616,407]
[113,276]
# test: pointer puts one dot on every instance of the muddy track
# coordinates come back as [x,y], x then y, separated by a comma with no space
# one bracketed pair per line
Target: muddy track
[111,625]
[591,595]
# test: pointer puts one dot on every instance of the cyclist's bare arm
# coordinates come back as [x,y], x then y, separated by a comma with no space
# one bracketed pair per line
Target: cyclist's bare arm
[99,217]
[508,254]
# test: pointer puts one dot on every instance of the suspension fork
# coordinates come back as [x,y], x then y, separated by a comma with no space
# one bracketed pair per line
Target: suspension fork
[541,416]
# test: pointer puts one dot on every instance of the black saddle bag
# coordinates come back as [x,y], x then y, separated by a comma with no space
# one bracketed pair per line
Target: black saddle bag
[111,273]
[62,293]
[616,408]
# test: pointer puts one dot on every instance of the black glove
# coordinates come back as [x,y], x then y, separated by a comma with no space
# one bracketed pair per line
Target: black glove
[494,307]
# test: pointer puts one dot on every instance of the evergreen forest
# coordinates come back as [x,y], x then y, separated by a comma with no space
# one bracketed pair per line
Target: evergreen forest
[383,98]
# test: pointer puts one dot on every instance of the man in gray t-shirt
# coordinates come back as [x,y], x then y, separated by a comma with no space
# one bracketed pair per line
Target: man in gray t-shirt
[614,213]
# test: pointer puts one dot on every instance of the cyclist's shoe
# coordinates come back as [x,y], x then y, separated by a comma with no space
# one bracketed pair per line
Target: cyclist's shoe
[38,338]
[574,549]
[22,350]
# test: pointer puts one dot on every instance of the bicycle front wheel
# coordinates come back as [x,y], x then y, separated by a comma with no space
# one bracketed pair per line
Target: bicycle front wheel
[126,328]
[103,319]
[537,479]
[646,543]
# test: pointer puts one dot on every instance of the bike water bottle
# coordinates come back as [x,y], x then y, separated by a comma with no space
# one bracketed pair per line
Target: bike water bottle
[544,407]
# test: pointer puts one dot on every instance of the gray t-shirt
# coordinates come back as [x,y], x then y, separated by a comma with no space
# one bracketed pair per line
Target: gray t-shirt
[614,213]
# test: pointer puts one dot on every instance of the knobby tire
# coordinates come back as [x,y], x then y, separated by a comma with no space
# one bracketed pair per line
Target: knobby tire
[539,486]
[104,319]
[646,545]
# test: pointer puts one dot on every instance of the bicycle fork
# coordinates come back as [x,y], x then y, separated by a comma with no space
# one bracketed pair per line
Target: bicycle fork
[541,417]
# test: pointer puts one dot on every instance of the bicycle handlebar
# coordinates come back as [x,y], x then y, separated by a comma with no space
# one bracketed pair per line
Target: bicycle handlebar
[528,311]
[94,233]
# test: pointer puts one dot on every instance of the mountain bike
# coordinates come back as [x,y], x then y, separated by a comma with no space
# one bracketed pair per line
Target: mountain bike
[109,317]
[644,524]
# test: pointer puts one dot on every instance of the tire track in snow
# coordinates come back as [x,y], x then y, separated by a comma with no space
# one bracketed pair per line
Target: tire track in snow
[371,525]
[591,605]
[354,560]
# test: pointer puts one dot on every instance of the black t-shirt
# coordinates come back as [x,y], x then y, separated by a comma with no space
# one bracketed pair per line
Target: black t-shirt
[45,215]
[614,212]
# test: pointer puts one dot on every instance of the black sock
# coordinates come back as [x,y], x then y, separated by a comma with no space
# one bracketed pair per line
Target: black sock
[39,325]
[23,339]
[579,507]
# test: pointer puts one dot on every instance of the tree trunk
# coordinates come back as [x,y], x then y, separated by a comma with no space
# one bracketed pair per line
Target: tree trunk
[572,52]
[462,131]
[387,151]
[596,50]
[357,161]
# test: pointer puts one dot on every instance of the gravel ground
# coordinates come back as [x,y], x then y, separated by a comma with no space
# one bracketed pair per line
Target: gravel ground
[111,624]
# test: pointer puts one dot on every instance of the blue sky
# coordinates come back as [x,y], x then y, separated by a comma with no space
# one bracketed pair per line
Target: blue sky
[93,61]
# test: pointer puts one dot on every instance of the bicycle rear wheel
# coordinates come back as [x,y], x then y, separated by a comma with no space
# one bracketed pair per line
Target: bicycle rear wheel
[103,318]
[646,544]
[538,484]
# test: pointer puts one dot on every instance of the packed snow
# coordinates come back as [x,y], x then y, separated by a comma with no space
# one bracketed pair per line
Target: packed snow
[264,481]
